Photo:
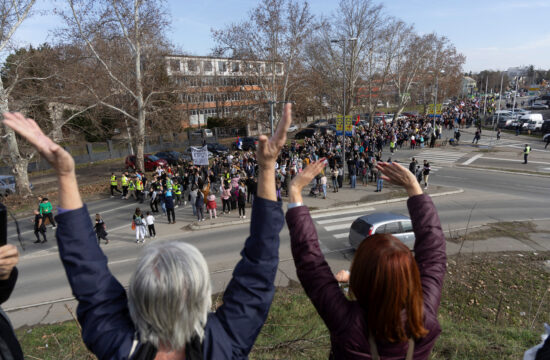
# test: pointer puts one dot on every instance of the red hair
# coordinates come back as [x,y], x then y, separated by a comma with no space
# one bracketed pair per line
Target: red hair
[385,281]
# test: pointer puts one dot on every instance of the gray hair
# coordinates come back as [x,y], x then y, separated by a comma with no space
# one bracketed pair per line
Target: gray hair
[170,295]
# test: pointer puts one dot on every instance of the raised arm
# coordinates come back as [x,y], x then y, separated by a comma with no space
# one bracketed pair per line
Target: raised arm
[313,271]
[429,247]
[250,292]
[102,311]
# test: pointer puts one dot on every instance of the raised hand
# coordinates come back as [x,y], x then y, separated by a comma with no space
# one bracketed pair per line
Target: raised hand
[268,149]
[398,175]
[307,175]
[58,158]
[9,257]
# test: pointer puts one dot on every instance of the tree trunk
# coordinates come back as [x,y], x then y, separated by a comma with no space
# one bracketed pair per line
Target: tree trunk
[18,164]
[140,140]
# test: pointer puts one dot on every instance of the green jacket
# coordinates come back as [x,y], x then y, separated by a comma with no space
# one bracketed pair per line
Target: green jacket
[45,208]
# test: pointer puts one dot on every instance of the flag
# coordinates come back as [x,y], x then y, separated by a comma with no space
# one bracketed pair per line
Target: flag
[358,119]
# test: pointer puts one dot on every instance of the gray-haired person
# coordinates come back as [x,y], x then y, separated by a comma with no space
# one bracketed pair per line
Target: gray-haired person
[165,314]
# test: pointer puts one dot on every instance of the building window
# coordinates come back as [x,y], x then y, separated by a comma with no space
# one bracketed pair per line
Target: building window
[269,68]
[207,66]
[192,65]
[279,68]
[235,67]
[175,65]
[222,66]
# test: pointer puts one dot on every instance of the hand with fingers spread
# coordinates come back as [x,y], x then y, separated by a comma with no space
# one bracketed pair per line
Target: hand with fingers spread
[398,175]
[304,178]
[9,257]
[268,149]
[27,128]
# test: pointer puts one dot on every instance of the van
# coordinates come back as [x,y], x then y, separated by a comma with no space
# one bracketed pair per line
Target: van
[534,121]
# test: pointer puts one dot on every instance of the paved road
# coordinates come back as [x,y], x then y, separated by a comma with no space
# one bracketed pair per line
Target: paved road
[492,196]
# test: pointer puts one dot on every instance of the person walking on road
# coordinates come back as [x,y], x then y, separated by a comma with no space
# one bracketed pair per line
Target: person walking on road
[39,228]
[426,173]
[413,165]
[46,211]
[498,134]
[124,182]
[526,152]
[547,142]
[139,224]
[100,229]
[150,219]
[114,185]
[477,136]
[169,204]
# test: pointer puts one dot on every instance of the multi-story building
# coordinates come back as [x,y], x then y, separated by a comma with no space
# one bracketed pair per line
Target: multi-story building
[221,87]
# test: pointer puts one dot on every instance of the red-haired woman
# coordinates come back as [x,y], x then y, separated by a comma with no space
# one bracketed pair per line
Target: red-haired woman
[396,295]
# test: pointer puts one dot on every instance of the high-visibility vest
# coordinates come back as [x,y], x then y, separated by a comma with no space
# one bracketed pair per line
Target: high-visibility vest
[113,180]
[177,189]
[169,184]
[527,150]
[139,185]
[124,180]
[131,185]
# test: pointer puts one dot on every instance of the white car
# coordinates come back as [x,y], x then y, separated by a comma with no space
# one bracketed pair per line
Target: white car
[292,128]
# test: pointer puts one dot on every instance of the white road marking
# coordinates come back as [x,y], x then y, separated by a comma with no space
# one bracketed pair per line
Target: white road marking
[341,236]
[338,227]
[341,212]
[472,159]
[331,221]
[515,160]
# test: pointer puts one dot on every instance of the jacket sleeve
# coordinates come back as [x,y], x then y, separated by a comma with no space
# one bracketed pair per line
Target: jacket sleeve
[248,296]
[429,248]
[313,271]
[6,286]
[107,329]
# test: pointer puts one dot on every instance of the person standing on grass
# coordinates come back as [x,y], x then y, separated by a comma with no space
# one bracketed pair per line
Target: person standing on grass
[139,224]
[46,211]
[39,228]
[150,220]
[100,229]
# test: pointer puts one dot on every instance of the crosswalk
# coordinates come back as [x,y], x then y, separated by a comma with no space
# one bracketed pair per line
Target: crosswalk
[437,157]
[494,142]
[338,223]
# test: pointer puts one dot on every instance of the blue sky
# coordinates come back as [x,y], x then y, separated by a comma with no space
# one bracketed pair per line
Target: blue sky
[492,34]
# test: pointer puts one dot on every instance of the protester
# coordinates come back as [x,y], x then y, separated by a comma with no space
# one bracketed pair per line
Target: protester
[375,322]
[165,314]
[211,205]
[46,211]
[199,205]
[169,205]
[426,173]
[139,224]
[241,200]
[100,229]
[9,346]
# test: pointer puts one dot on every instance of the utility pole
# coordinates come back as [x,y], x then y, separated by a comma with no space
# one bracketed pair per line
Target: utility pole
[499,101]
[485,104]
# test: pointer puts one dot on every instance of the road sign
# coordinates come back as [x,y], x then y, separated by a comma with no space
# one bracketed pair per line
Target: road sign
[349,126]
[339,125]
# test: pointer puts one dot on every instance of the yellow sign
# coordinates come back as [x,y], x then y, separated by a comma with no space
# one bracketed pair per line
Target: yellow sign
[349,126]
[339,123]
[430,109]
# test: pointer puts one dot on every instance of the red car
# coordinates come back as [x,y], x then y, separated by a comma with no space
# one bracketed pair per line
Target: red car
[150,161]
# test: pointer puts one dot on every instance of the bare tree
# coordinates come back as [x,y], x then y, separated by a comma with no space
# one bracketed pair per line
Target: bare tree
[126,38]
[270,42]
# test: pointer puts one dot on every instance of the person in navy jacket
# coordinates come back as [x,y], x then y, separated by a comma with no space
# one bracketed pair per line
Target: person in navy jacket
[165,314]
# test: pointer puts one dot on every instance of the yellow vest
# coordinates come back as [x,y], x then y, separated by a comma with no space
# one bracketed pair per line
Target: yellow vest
[527,150]
[113,180]
[131,185]
[124,180]
[139,185]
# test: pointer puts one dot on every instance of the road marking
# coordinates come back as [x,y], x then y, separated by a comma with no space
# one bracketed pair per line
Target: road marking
[515,160]
[471,160]
[338,227]
[331,221]
[341,212]
[341,236]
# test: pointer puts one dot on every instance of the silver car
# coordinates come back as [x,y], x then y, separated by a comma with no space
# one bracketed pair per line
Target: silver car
[399,226]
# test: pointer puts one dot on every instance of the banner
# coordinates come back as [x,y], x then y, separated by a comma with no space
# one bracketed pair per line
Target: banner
[199,155]
[430,110]
[339,125]
[349,126]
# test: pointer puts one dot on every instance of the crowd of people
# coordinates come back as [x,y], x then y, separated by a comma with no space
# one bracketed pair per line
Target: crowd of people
[166,311]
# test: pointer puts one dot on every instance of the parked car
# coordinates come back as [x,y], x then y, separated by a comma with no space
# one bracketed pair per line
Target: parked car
[203,132]
[292,128]
[150,162]
[538,106]
[217,149]
[327,129]
[171,157]
[308,132]
[249,143]
[399,226]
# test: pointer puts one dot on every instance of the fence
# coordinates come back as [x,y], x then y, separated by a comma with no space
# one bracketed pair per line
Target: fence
[91,152]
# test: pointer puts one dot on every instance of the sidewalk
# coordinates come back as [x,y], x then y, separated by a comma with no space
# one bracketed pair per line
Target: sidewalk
[344,198]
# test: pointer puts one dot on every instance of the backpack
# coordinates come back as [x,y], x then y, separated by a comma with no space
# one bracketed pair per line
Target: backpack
[138,220]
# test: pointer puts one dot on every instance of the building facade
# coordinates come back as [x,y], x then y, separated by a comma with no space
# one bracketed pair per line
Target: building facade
[220,87]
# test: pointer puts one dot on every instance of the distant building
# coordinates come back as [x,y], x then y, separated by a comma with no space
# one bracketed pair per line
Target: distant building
[469,85]
[219,87]
[517,72]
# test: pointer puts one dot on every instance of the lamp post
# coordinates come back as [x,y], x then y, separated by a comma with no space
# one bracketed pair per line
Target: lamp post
[271,107]
[344,41]
[435,95]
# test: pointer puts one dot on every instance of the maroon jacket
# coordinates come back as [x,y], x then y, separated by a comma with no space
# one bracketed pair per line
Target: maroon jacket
[345,319]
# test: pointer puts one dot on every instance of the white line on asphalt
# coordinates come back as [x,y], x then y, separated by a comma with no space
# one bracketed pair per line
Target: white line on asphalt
[342,212]
[332,221]
[338,227]
[341,236]
[472,159]
[522,147]
[515,160]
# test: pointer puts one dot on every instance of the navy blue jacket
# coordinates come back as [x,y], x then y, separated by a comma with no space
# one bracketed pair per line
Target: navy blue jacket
[108,330]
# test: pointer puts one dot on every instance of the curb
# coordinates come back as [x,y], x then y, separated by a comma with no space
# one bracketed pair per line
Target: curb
[194,227]
[501,171]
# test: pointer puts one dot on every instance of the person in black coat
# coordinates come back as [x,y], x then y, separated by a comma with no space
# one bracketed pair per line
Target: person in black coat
[9,346]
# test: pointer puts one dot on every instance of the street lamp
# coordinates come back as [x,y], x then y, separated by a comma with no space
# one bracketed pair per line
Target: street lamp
[271,106]
[344,41]
[435,95]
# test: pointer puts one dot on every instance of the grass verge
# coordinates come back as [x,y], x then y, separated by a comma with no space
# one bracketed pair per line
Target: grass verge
[493,307]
